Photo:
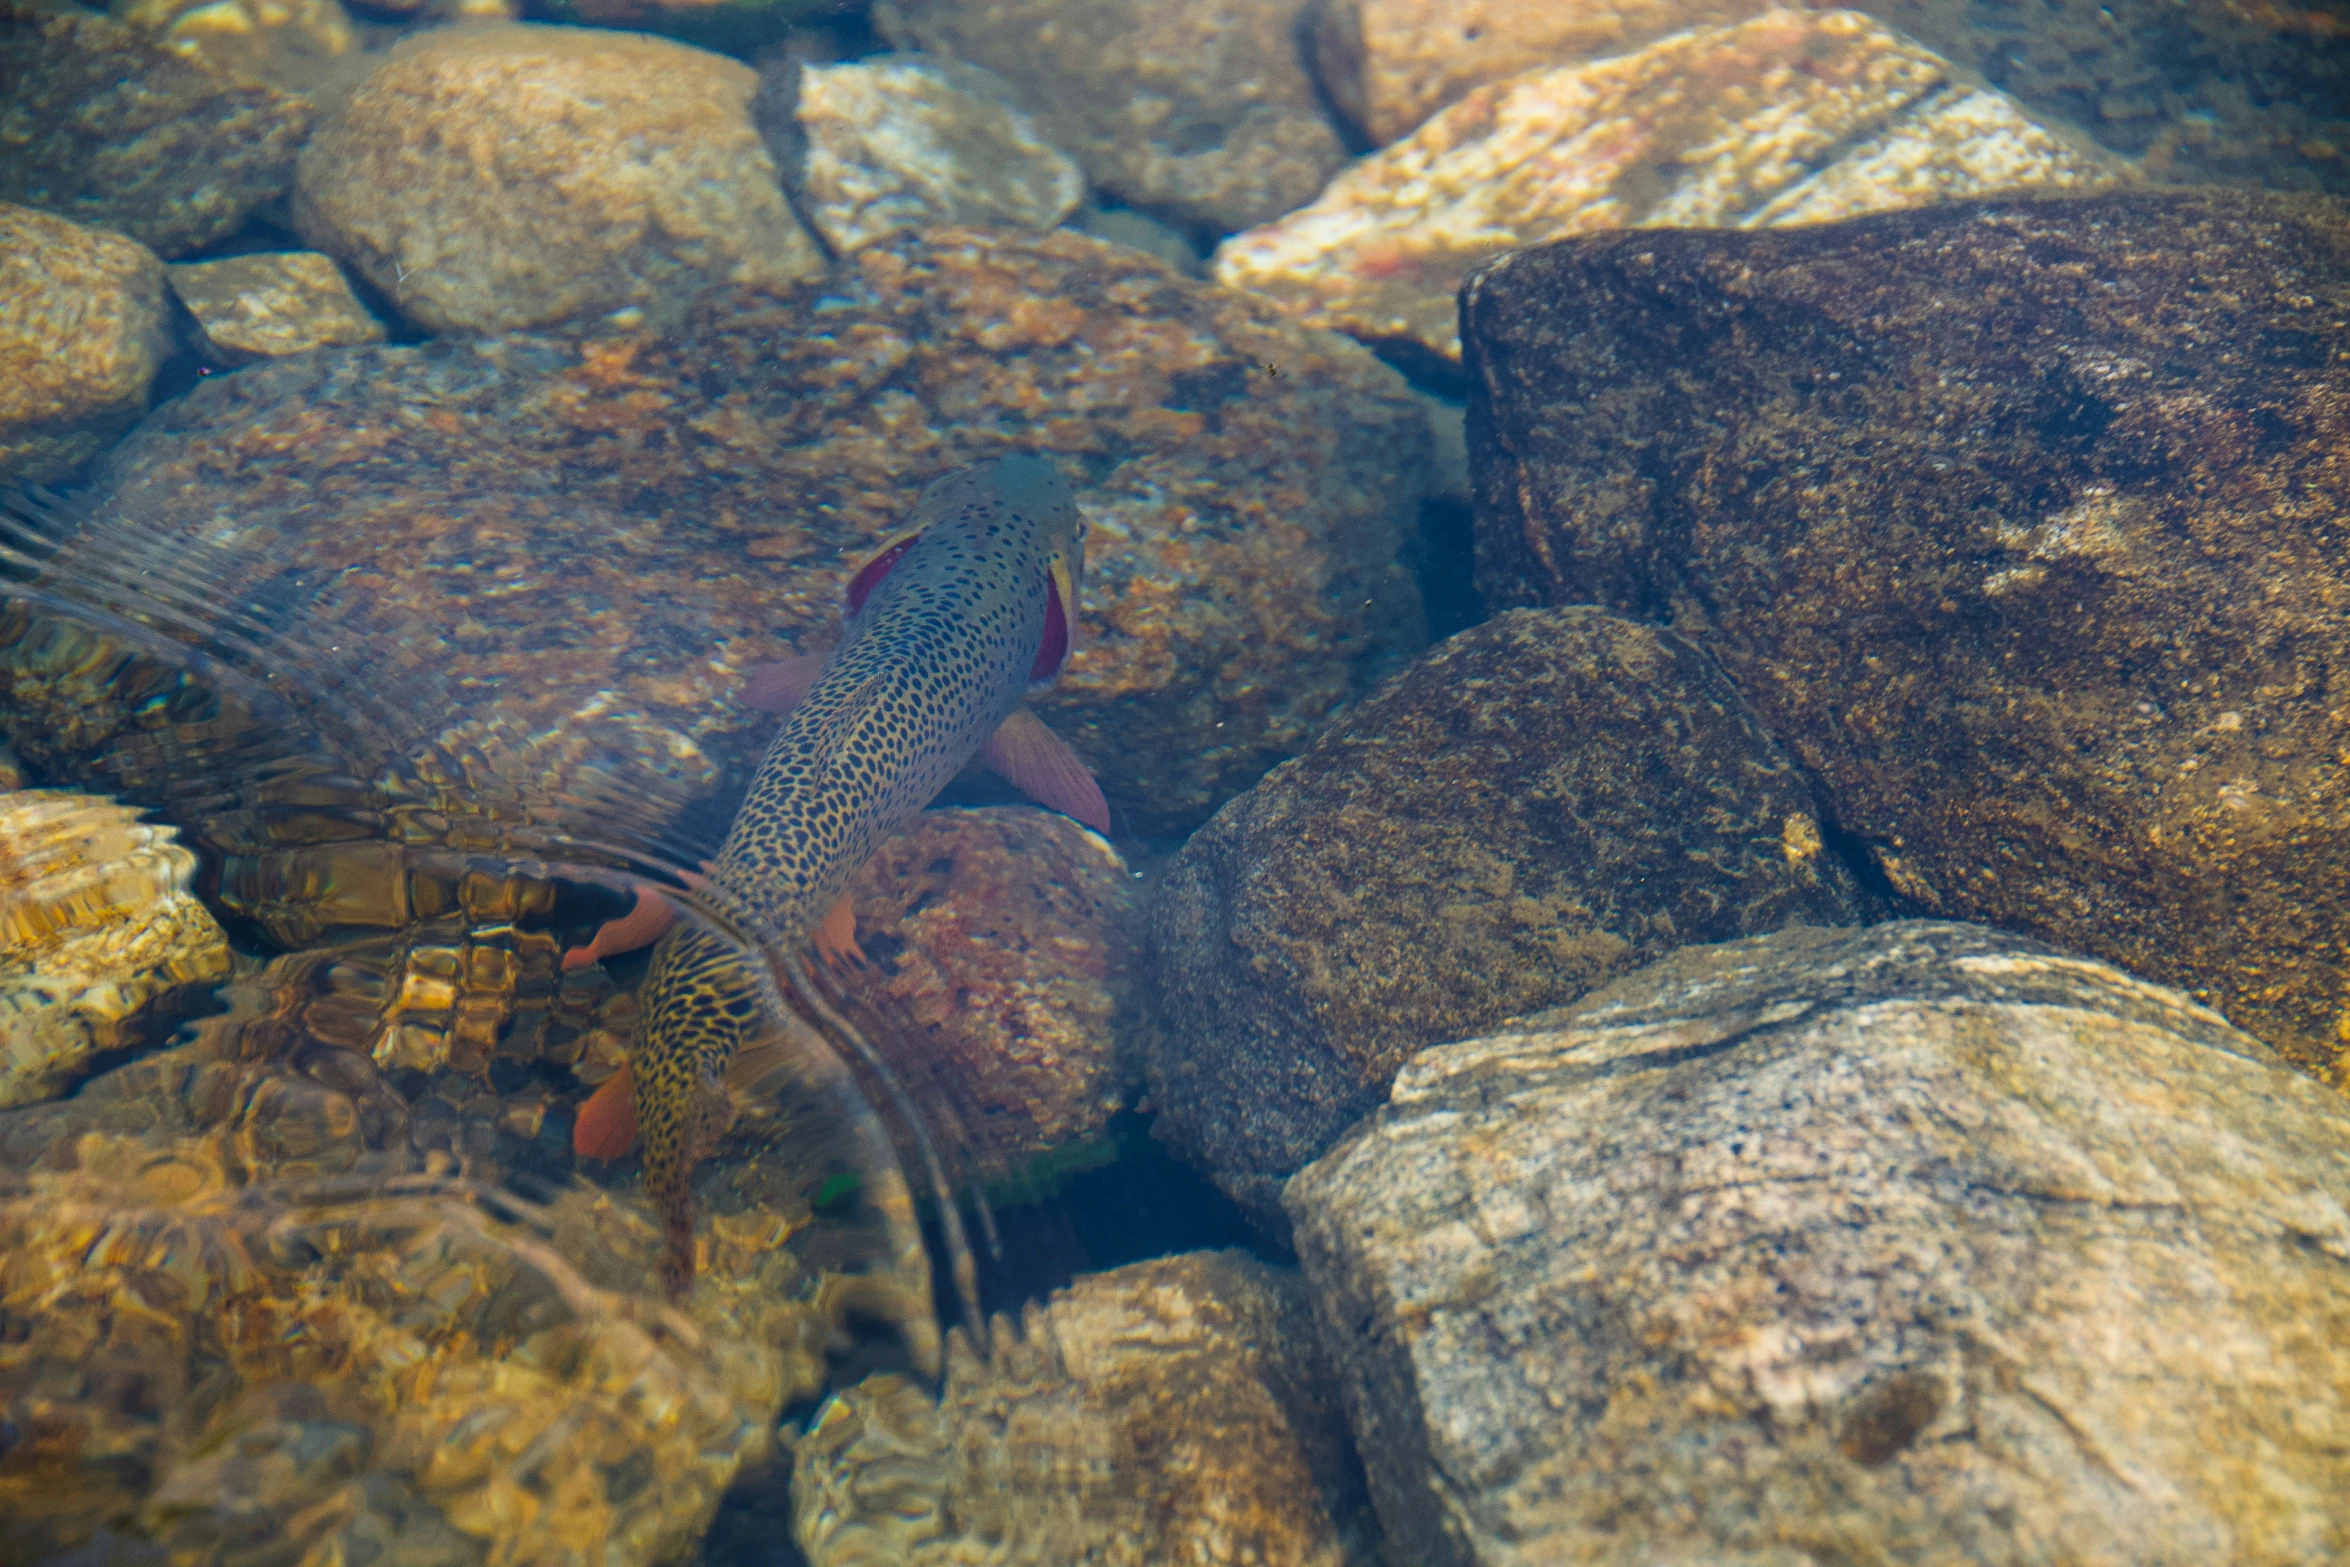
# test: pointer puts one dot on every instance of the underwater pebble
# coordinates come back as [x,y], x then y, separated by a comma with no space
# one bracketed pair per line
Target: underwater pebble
[82,333]
[175,164]
[490,177]
[1172,1413]
[264,306]
[1199,112]
[1914,1243]
[1997,513]
[909,142]
[1544,802]
[1793,117]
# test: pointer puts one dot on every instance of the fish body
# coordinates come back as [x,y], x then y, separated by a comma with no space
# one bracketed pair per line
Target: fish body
[949,626]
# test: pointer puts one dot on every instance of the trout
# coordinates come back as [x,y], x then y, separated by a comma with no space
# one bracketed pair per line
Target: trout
[947,627]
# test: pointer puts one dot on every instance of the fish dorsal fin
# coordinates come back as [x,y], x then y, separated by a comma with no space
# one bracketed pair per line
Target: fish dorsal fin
[783,685]
[869,575]
[1052,649]
[1041,764]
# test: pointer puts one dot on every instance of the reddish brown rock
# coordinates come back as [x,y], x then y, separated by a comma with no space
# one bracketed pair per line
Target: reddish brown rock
[82,333]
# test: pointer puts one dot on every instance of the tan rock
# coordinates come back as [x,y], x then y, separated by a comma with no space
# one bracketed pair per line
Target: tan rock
[908,142]
[1173,1413]
[102,946]
[504,176]
[294,45]
[1793,117]
[81,336]
[1389,64]
[264,306]
[1918,1243]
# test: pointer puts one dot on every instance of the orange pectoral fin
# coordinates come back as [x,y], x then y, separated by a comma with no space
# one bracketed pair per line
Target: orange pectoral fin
[1041,764]
[836,938]
[606,1128]
[641,926]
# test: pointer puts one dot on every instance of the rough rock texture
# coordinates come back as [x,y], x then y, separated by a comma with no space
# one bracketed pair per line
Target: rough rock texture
[1914,1244]
[1545,802]
[106,125]
[1794,117]
[1174,1413]
[506,176]
[1196,111]
[267,305]
[1389,64]
[293,45]
[102,948]
[592,538]
[82,333]
[911,142]
[1005,937]
[2022,526]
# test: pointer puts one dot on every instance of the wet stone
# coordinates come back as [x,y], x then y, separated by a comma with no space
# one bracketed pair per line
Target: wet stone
[268,305]
[82,333]
[1918,1243]
[1174,1413]
[294,45]
[1543,803]
[2044,591]
[107,125]
[1199,112]
[1791,118]
[490,177]
[908,142]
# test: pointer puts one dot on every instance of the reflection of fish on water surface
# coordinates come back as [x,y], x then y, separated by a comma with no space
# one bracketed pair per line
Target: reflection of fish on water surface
[948,626]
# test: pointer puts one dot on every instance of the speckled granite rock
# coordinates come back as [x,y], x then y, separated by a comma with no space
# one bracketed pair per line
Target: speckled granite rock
[1545,802]
[1913,1244]
[268,305]
[102,947]
[1196,111]
[908,142]
[293,45]
[1241,576]
[1174,1413]
[82,333]
[2045,590]
[1389,64]
[1006,937]
[175,164]
[1793,117]
[503,176]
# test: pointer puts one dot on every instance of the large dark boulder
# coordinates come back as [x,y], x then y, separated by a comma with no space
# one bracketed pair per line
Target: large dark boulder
[2021,525]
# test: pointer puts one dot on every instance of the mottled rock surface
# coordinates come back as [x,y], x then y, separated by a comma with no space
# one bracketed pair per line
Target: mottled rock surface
[1174,1413]
[1794,117]
[293,45]
[82,333]
[1914,1244]
[267,305]
[1196,111]
[1389,64]
[102,947]
[909,142]
[596,536]
[1005,936]
[2022,527]
[506,176]
[106,125]
[1543,803]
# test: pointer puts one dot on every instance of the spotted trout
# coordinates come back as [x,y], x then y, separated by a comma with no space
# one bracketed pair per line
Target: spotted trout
[947,627]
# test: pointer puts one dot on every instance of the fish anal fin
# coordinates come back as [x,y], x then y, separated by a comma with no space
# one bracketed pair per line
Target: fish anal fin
[836,938]
[606,1128]
[783,685]
[1041,764]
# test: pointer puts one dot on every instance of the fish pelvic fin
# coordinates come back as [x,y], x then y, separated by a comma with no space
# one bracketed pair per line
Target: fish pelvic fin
[1042,766]
[606,1128]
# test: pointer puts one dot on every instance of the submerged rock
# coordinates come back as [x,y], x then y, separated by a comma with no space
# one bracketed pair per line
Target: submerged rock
[102,946]
[1543,803]
[1913,1244]
[107,125]
[503,176]
[267,305]
[2021,525]
[1794,117]
[82,333]
[906,142]
[1174,1413]
[1196,111]
[294,45]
